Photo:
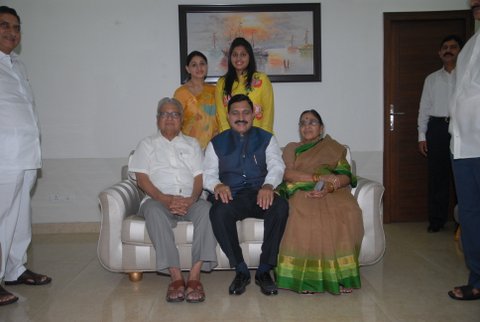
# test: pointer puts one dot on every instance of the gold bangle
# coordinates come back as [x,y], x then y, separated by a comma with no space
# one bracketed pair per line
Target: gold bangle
[336,182]
[329,186]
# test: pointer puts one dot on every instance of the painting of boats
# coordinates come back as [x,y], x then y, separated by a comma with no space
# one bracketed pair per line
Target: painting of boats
[283,42]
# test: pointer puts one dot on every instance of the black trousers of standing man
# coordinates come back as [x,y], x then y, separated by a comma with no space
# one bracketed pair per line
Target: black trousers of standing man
[439,171]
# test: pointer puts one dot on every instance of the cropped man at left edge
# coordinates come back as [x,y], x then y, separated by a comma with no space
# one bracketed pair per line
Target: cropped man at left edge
[20,160]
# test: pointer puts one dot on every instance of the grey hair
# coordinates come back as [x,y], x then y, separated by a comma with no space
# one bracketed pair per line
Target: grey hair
[168,100]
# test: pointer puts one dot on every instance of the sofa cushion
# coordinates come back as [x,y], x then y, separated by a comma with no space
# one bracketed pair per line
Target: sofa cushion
[250,229]
[134,231]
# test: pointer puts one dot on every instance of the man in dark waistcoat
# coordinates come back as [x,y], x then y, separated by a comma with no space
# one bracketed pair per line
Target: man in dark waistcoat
[242,167]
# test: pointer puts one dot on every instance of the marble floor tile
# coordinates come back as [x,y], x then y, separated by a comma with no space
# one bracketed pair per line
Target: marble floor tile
[409,284]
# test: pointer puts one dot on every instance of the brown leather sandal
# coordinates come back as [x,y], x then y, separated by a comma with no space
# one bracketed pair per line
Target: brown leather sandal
[6,297]
[176,291]
[196,293]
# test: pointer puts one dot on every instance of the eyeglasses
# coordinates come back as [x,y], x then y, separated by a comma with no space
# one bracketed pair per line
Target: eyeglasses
[311,122]
[173,115]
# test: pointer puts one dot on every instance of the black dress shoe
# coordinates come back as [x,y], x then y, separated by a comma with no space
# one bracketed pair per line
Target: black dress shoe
[266,283]
[433,229]
[239,283]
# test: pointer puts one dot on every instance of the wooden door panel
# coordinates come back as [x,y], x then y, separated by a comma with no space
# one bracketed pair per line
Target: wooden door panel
[412,41]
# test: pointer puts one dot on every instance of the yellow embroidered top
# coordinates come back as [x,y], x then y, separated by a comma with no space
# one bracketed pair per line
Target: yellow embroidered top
[261,94]
[199,116]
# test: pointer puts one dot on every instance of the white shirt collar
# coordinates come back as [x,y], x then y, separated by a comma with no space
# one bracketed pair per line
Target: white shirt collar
[8,58]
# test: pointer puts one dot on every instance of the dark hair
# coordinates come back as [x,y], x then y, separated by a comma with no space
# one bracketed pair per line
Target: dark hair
[315,114]
[454,38]
[5,9]
[190,56]
[231,74]
[240,98]
[194,54]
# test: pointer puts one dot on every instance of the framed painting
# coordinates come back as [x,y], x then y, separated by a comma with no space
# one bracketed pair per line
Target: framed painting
[285,38]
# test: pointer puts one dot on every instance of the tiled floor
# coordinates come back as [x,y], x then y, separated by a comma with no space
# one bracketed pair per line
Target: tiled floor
[409,284]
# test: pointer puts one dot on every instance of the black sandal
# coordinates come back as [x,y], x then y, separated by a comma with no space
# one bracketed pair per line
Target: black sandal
[30,278]
[467,293]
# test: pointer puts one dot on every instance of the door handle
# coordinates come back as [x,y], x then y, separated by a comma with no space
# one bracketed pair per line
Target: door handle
[392,116]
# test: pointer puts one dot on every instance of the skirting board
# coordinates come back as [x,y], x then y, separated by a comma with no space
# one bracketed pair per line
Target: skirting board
[66,228]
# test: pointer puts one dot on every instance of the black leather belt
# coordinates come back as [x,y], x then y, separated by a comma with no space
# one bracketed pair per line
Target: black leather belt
[445,119]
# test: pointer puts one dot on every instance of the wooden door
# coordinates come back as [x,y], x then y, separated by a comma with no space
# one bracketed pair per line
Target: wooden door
[411,44]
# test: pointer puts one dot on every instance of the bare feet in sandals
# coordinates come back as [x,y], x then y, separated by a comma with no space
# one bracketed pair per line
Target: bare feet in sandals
[176,291]
[345,290]
[30,278]
[6,297]
[465,293]
[195,292]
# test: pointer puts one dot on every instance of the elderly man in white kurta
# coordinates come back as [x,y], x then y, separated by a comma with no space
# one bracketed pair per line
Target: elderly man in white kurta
[168,168]
[19,160]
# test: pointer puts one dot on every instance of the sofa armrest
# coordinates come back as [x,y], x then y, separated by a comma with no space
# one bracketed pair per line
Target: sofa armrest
[369,195]
[116,203]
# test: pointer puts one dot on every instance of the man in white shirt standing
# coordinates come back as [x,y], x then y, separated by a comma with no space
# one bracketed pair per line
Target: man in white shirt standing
[168,168]
[243,165]
[465,147]
[433,136]
[19,160]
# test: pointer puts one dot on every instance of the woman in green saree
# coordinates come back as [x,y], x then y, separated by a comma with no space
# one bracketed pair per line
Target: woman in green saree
[320,246]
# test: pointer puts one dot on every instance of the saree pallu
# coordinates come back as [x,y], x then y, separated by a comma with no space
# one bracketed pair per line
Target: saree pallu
[320,247]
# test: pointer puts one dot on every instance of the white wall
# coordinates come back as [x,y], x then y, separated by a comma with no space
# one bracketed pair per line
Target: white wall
[98,68]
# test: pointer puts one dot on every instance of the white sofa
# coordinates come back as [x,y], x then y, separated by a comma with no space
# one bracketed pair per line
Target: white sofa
[124,244]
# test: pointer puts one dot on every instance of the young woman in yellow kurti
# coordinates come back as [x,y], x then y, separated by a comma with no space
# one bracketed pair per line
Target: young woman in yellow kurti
[198,101]
[242,77]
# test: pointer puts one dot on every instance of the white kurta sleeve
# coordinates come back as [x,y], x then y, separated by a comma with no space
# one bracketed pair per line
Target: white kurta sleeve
[275,164]
[210,168]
